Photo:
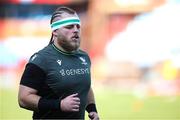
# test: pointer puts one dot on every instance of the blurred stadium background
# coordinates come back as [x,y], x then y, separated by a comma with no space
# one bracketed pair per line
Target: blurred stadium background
[134,46]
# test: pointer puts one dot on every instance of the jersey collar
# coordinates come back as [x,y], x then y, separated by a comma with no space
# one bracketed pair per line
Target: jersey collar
[63,52]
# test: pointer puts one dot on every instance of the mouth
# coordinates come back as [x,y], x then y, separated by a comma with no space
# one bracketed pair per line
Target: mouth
[75,37]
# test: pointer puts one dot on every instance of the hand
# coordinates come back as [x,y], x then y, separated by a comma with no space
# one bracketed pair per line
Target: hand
[70,103]
[93,116]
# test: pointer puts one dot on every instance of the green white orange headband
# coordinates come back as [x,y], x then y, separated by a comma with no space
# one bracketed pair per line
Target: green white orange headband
[64,22]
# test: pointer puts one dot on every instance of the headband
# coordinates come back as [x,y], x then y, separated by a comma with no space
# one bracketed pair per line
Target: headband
[64,22]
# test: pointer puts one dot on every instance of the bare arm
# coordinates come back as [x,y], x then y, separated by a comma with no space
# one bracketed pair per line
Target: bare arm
[90,97]
[93,115]
[28,98]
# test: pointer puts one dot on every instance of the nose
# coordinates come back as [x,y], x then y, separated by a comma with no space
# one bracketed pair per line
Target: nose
[76,28]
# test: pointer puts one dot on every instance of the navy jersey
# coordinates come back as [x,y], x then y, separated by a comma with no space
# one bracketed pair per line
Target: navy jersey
[64,74]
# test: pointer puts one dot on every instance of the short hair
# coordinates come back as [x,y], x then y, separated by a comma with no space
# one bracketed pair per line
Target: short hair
[58,12]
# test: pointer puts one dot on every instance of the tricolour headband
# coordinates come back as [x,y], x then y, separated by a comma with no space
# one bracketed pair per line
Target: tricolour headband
[65,22]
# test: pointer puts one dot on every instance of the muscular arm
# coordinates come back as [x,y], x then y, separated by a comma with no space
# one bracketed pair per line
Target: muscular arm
[31,81]
[90,97]
[32,78]
[91,107]
[27,98]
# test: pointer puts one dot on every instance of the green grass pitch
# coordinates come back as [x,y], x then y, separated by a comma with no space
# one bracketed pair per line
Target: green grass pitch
[111,105]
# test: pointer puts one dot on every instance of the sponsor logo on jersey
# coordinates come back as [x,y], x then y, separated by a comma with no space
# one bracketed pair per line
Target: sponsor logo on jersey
[59,62]
[72,72]
[83,60]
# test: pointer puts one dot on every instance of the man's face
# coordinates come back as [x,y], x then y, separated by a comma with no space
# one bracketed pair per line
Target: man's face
[68,37]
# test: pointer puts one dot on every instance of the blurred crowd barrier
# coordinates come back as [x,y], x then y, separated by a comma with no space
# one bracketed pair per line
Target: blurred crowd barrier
[124,44]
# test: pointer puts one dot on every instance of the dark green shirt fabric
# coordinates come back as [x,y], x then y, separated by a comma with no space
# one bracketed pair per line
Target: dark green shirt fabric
[65,74]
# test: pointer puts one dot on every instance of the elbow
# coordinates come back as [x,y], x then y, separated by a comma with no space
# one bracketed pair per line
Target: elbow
[21,102]
[27,98]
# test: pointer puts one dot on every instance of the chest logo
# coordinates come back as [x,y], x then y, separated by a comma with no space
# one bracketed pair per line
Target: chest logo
[83,60]
[59,62]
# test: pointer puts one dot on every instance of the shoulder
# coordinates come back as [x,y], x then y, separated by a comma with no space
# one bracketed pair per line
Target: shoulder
[39,58]
[43,53]
[84,54]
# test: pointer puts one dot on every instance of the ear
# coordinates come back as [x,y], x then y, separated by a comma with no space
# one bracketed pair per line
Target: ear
[54,32]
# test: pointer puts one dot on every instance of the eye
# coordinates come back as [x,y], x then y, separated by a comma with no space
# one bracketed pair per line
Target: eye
[72,26]
[78,26]
[69,26]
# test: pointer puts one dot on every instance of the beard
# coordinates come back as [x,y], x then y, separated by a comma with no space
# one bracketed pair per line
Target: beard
[69,45]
